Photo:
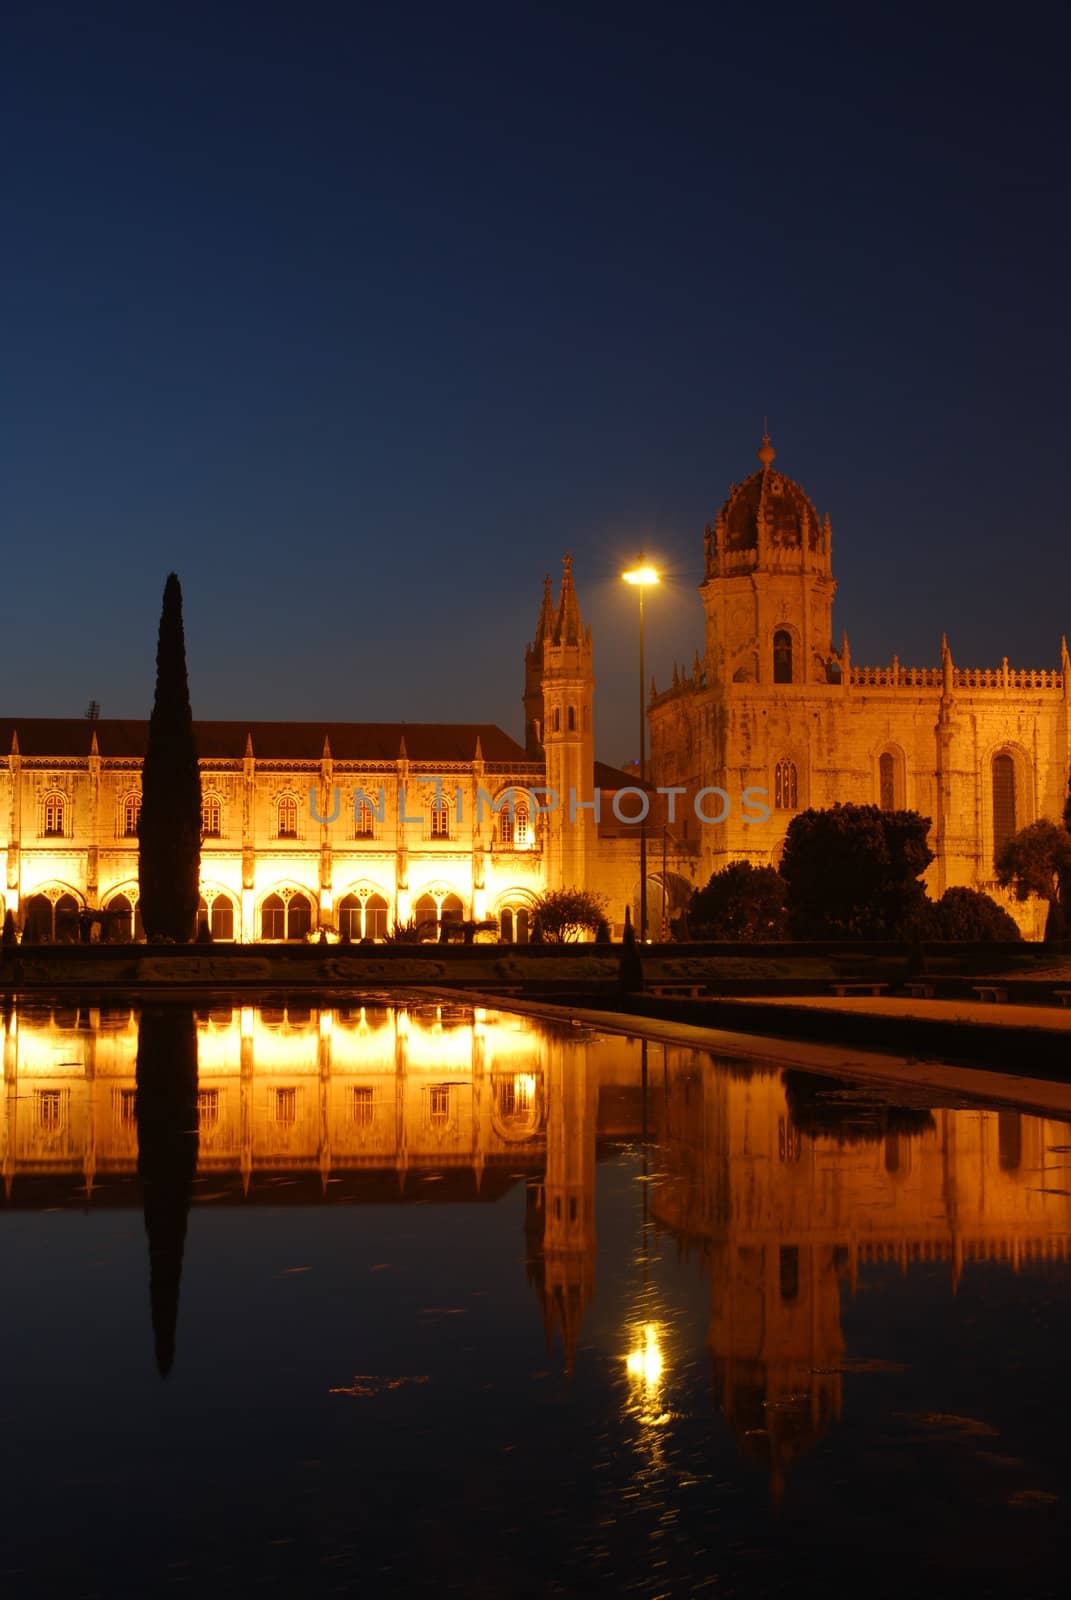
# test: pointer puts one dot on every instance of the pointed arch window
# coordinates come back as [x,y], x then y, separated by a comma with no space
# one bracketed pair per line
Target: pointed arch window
[786,786]
[286,817]
[55,816]
[782,656]
[131,815]
[887,781]
[1004,818]
[439,819]
[211,817]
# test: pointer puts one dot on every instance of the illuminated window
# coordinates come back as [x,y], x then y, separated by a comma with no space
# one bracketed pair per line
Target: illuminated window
[363,1106]
[520,825]
[207,1108]
[222,919]
[1004,826]
[786,786]
[126,1107]
[285,917]
[506,819]
[364,821]
[55,813]
[887,782]
[131,813]
[48,1105]
[287,817]
[439,1104]
[440,820]
[286,1107]
[211,817]
[782,656]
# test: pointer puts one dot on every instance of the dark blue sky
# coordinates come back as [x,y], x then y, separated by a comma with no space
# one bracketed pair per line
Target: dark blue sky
[360,317]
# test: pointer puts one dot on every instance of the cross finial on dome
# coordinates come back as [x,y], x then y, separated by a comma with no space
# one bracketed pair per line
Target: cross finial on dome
[766,449]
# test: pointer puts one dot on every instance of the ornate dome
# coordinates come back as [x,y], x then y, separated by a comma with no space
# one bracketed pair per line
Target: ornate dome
[770,504]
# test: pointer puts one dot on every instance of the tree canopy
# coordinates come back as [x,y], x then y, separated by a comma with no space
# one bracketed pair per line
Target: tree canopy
[564,914]
[1037,861]
[855,872]
[742,902]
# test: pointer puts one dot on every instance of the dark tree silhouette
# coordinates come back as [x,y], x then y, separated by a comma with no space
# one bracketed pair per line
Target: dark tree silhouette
[855,872]
[740,902]
[169,828]
[630,966]
[166,1113]
[969,914]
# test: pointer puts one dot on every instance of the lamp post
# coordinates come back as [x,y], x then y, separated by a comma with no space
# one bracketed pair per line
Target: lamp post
[640,576]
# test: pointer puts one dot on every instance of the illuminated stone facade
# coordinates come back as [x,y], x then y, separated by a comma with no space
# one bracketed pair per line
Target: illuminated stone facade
[771,704]
[289,844]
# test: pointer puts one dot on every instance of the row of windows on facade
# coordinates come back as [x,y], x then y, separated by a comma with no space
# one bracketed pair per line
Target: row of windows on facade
[512,825]
[282,917]
[52,1106]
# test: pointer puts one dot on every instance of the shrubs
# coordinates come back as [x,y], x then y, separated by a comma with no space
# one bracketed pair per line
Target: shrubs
[968,914]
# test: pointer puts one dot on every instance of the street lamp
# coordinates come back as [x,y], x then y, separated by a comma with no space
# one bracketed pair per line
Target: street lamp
[640,577]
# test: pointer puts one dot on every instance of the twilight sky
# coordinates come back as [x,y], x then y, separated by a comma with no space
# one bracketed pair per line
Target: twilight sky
[360,317]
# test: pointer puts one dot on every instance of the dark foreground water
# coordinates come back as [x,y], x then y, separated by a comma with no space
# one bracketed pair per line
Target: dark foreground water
[449,1303]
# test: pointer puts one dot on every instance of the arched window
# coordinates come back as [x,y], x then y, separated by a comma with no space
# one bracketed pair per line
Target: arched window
[286,916]
[571,719]
[426,916]
[506,823]
[211,817]
[364,821]
[521,834]
[362,918]
[131,813]
[452,909]
[440,819]
[786,786]
[54,816]
[1004,821]
[782,656]
[220,917]
[557,719]
[124,920]
[513,924]
[887,781]
[287,817]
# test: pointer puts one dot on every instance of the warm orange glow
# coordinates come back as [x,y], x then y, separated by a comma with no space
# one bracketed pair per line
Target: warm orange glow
[645,1361]
[639,576]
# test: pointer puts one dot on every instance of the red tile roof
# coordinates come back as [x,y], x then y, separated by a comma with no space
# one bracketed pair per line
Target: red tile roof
[426,742]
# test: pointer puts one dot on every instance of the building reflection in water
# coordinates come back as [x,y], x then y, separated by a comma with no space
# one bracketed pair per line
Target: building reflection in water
[782,1184]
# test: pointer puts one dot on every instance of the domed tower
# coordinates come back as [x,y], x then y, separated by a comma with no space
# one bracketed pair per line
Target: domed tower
[768,586]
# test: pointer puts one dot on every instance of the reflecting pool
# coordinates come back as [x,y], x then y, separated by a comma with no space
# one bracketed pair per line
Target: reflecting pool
[390,1299]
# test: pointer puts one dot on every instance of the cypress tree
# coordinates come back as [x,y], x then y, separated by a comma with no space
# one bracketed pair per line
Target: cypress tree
[169,827]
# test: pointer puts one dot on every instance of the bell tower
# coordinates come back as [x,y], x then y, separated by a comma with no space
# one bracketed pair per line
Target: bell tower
[568,687]
[768,584]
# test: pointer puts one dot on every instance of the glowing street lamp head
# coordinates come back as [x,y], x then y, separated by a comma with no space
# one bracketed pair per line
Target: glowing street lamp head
[640,576]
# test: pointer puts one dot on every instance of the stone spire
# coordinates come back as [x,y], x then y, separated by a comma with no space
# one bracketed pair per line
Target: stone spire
[545,625]
[568,626]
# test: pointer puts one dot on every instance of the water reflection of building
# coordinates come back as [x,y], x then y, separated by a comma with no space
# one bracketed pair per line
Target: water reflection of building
[356,1102]
[784,1189]
[787,1191]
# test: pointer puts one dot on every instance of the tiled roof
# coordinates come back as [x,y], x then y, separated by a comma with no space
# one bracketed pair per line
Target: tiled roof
[426,742]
